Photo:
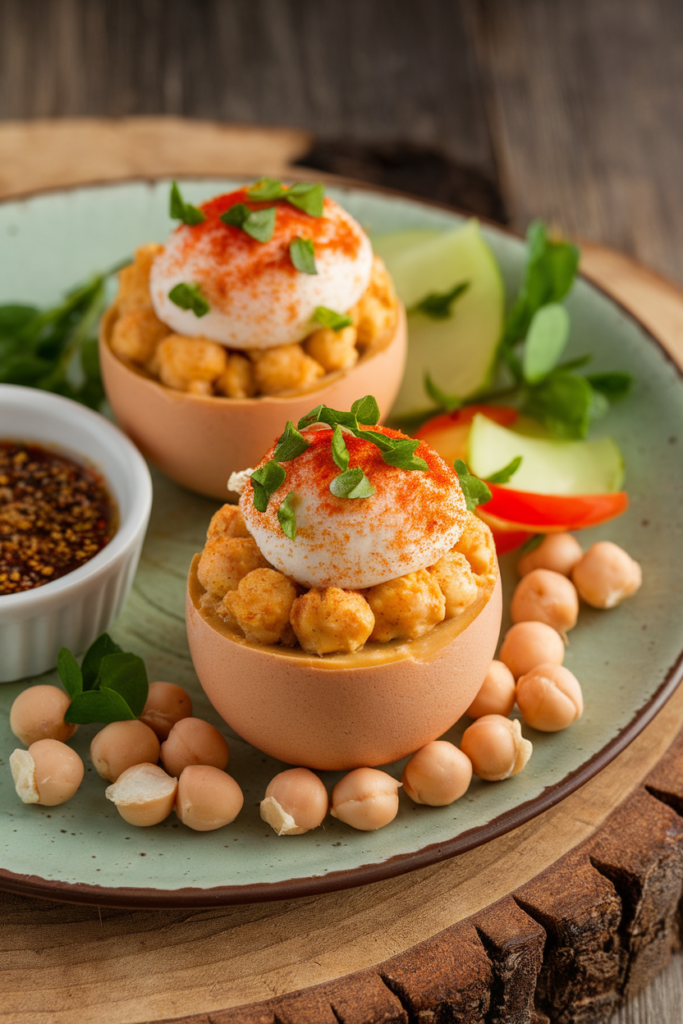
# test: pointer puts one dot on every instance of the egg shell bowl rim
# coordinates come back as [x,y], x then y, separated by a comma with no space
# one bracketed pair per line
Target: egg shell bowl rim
[194,897]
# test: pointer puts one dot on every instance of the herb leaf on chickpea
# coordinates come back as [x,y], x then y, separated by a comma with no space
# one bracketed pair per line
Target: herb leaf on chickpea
[109,686]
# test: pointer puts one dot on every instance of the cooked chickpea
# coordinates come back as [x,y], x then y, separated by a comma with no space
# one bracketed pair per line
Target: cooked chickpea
[193,741]
[180,361]
[437,774]
[261,606]
[497,693]
[135,335]
[284,368]
[144,794]
[366,799]
[407,607]
[606,575]
[375,314]
[477,545]
[496,747]
[120,745]
[134,280]
[225,561]
[331,620]
[455,581]
[237,380]
[227,522]
[166,704]
[546,596]
[38,714]
[549,698]
[48,773]
[207,798]
[295,802]
[528,644]
[334,350]
[558,552]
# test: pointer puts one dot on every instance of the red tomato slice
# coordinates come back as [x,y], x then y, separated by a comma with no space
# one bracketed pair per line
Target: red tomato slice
[507,536]
[544,513]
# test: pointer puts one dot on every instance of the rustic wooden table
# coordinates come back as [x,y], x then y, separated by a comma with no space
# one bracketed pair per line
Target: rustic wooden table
[511,108]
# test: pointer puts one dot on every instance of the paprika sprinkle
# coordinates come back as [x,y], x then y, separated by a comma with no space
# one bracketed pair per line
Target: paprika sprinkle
[55,515]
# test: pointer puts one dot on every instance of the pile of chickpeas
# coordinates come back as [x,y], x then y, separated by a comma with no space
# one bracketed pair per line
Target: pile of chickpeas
[194,754]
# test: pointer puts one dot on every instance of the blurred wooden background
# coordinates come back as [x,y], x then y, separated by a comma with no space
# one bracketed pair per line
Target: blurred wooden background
[571,111]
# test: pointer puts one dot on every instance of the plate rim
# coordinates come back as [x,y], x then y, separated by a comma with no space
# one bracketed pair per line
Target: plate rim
[148,897]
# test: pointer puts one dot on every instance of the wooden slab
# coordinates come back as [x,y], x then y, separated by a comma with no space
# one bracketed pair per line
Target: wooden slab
[563,917]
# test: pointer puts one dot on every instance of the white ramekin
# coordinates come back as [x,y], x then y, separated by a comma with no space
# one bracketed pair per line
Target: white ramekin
[72,610]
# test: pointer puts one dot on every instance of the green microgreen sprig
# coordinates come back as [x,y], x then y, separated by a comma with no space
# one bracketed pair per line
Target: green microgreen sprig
[109,686]
[291,444]
[352,483]
[258,224]
[439,305]
[180,210]
[504,475]
[265,481]
[475,491]
[287,516]
[189,296]
[305,196]
[302,255]
[328,318]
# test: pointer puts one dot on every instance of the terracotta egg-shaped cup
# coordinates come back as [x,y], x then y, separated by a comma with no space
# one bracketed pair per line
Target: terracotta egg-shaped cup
[201,423]
[364,673]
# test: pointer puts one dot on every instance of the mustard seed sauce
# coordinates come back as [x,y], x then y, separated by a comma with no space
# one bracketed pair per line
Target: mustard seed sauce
[54,516]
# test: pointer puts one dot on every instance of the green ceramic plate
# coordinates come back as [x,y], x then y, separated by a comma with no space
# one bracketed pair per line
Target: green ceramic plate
[628,660]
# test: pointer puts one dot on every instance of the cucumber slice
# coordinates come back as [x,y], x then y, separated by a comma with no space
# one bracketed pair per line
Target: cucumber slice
[458,352]
[548,466]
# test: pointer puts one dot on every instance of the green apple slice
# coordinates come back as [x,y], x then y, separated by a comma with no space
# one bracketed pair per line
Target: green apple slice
[549,466]
[458,352]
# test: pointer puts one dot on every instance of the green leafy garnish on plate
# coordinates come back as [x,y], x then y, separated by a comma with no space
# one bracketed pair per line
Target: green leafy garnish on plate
[265,481]
[180,210]
[302,255]
[291,444]
[287,517]
[504,475]
[189,296]
[352,483]
[474,490]
[439,305]
[328,318]
[307,197]
[258,224]
[109,686]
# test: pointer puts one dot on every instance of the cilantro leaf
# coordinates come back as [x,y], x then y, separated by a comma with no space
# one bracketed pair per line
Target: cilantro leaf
[258,224]
[441,398]
[189,296]
[69,672]
[545,341]
[302,255]
[475,491]
[180,210]
[290,444]
[506,473]
[340,453]
[307,197]
[366,410]
[287,517]
[352,483]
[328,318]
[438,305]
[265,481]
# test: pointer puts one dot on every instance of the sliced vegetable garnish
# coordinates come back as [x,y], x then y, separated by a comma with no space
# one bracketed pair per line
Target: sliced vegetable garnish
[525,510]
[258,224]
[188,296]
[180,210]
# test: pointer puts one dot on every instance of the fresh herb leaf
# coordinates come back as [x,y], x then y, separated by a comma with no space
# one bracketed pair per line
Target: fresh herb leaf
[323,414]
[290,444]
[505,474]
[532,543]
[340,453]
[92,660]
[402,456]
[286,517]
[441,398]
[614,386]
[258,224]
[439,305]
[265,190]
[180,210]
[189,296]
[69,672]
[307,197]
[302,255]
[14,316]
[98,706]
[352,483]
[265,481]
[328,318]
[545,342]
[475,491]
[366,410]
[563,402]
[126,675]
